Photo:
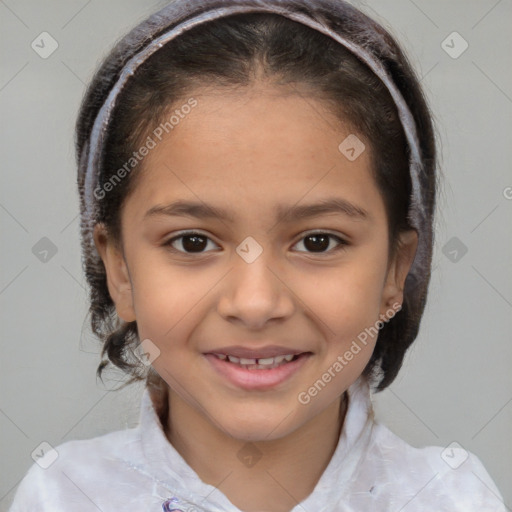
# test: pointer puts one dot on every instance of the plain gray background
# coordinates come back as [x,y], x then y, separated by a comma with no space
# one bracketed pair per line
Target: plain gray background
[456,384]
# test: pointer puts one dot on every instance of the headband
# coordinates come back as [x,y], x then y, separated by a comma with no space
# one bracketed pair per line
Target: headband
[196,13]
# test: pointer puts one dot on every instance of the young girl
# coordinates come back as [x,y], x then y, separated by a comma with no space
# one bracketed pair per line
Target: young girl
[257,183]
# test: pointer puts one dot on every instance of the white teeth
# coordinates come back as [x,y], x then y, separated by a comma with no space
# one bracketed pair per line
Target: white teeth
[247,361]
[266,363]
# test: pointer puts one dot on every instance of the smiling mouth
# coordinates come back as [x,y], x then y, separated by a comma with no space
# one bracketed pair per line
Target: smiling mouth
[258,373]
[267,363]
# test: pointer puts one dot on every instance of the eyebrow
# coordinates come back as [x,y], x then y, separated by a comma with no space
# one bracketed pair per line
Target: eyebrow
[284,213]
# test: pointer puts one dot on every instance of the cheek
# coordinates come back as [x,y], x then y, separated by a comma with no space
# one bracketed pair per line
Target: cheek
[168,300]
[345,303]
[159,297]
[347,297]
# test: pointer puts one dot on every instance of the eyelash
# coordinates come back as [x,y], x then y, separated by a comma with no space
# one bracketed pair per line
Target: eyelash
[341,242]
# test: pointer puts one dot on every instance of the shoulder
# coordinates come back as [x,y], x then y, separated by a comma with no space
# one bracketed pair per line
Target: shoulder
[448,477]
[61,475]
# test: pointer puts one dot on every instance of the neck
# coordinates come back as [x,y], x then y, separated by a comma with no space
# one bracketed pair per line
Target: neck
[273,475]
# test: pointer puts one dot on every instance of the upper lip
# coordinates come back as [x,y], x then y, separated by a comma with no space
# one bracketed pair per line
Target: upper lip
[259,353]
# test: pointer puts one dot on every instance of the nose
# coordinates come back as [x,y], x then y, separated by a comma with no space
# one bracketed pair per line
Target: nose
[255,294]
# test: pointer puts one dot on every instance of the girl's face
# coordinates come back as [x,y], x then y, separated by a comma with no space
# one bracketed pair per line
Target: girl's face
[267,266]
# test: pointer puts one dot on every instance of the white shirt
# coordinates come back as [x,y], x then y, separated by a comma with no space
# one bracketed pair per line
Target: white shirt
[137,470]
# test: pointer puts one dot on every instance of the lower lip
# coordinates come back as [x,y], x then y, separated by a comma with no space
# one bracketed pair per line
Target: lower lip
[256,379]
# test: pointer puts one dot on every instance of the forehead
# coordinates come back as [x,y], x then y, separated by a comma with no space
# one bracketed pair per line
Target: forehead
[251,148]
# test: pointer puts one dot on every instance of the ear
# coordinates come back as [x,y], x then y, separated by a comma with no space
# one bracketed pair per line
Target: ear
[398,269]
[118,278]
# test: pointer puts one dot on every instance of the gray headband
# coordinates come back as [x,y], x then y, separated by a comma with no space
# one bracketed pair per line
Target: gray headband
[91,157]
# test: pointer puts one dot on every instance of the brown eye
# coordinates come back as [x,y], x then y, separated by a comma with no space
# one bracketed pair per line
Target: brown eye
[189,243]
[320,242]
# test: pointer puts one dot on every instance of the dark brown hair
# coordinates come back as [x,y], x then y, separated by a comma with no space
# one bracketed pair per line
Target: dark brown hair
[231,52]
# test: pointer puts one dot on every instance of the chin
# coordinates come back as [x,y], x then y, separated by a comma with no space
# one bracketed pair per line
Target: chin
[257,427]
